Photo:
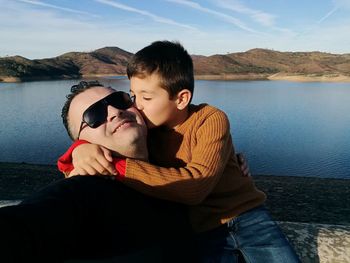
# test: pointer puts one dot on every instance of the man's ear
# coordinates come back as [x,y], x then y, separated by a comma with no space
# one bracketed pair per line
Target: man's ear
[183,99]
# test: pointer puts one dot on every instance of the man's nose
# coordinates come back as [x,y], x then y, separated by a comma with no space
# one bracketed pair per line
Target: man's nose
[113,113]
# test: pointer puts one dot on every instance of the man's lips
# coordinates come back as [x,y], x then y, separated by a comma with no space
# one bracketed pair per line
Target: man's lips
[122,123]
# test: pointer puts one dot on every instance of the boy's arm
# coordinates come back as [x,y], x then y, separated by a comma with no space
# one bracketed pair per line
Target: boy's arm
[193,182]
[65,161]
[83,158]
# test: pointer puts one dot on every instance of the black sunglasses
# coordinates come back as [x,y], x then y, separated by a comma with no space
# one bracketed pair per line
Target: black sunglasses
[96,114]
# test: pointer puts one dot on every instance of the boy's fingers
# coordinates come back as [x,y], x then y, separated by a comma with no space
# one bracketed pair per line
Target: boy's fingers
[245,168]
[107,153]
[243,165]
[246,172]
[72,173]
[240,158]
[77,171]
[107,166]
[91,170]
[100,169]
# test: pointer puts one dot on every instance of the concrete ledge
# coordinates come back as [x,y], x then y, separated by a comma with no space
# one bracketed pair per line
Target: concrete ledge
[319,243]
[9,202]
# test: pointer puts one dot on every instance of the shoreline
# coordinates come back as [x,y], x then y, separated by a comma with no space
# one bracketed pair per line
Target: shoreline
[230,77]
[278,76]
[290,198]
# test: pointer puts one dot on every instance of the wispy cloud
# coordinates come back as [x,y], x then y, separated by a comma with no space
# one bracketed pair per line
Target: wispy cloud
[156,18]
[39,3]
[225,17]
[262,18]
[328,14]
[259,16]
[338,4]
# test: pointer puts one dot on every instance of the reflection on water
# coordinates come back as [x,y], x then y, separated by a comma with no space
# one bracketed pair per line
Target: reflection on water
[284,128]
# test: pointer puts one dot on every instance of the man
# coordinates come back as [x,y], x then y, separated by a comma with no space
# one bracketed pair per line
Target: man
[91,216]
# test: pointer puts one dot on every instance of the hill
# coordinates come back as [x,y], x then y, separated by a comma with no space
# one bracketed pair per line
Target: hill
[252,64]
[104,61]
[263,63]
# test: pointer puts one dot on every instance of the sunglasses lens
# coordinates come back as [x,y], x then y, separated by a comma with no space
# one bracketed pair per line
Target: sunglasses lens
[95,115]
[120,100]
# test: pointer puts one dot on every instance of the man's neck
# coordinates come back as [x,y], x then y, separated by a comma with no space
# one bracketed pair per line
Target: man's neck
[138,150]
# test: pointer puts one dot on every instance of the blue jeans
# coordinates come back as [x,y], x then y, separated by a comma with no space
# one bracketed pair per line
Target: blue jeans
[252,237]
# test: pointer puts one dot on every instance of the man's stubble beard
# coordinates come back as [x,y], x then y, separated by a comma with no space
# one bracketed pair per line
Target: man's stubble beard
[135,148]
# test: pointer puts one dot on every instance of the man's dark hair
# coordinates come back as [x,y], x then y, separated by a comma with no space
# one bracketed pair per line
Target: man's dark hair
[169,60]
[75,90]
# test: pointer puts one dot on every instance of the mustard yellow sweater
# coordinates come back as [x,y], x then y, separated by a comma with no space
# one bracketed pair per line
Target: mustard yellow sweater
[196,165]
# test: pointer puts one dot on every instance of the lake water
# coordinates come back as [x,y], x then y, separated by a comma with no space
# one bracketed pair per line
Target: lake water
[284,128]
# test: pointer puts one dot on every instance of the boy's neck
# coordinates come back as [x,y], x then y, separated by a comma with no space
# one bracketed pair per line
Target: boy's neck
[179,119]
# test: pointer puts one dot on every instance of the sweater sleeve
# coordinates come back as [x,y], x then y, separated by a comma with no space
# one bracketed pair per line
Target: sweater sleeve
[191,183]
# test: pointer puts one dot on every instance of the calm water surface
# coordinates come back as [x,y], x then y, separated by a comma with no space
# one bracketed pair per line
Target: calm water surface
[284,128]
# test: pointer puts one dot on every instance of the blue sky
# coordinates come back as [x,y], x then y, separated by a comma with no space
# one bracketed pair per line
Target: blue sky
[48,28]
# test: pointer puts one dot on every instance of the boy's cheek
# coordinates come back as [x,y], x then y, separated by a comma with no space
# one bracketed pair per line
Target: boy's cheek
[148,121]
[139,116]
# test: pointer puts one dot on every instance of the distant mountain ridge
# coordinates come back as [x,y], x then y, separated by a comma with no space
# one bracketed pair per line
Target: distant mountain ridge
[104,61]
[252,64]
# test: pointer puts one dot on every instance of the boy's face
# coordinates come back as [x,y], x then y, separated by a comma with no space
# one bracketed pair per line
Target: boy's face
[153,101]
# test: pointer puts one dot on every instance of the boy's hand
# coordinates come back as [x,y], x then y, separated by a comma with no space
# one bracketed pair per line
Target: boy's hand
[92,159]
[243,165]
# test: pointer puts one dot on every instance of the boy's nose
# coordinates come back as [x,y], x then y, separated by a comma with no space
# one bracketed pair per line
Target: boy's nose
[138,105]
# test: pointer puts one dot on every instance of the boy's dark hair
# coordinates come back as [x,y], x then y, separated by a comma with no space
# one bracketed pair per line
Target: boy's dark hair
[75,90]
[169,60]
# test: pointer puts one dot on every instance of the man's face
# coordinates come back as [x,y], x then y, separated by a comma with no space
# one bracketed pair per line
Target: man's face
[153,101]
[121,130]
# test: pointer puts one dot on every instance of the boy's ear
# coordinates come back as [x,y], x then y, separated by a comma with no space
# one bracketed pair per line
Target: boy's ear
[183,99]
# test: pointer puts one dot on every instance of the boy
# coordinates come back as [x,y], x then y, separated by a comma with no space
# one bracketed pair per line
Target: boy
[192,161]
